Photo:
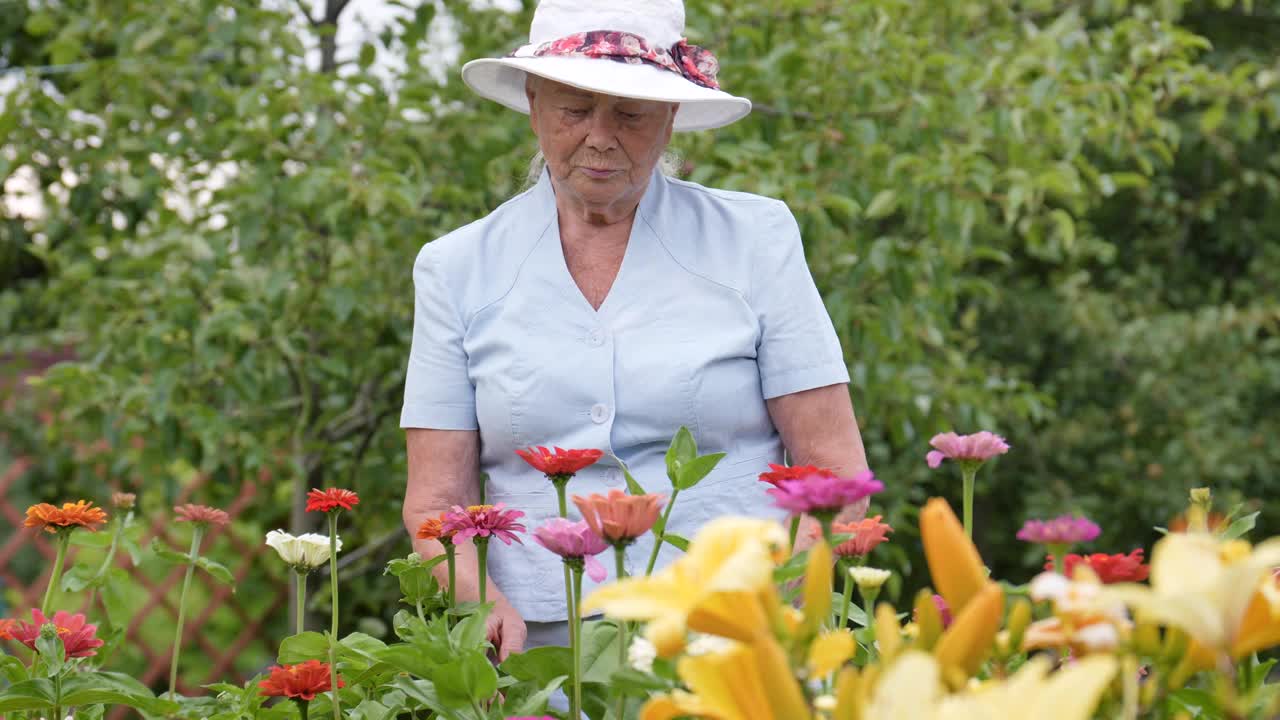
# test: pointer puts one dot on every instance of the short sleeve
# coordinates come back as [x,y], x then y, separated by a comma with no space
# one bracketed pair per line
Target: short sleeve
[799,349]
[438,393]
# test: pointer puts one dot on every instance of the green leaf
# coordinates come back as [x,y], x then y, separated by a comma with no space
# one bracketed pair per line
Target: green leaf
[536,704]
[1242,526]
[423,692]
[309,645]
[111,688]
[370,710]
[217,570]
[469,679]
[13,669]
[682,450]
[168,555]
[52,652]
[633,487]
[540,665]
[39,24]
[676,541]
[883,204]
[78,578]
[695,470]
[471,633]
[27,695]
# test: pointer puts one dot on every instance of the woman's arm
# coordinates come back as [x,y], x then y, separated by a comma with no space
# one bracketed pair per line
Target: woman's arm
[818,427]
[444,470]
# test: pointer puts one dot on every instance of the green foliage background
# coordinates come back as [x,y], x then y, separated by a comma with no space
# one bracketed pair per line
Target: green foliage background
[1055,220]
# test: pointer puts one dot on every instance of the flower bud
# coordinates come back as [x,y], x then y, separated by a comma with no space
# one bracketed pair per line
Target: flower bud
[1146,638]
[1019,620]
[123,500]
[869,578]
[928,620]
[888,633]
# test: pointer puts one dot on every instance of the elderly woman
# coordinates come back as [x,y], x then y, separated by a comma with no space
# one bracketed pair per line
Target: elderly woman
[610,305]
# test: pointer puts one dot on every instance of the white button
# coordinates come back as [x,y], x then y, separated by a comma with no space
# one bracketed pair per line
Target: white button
[599,413]
[595,338]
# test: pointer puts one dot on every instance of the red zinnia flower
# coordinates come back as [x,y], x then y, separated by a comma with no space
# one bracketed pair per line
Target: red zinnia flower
[201,514]
[867,534]
[483,521]
[303,680]
[561,463]
[782,472]
[79,639]
[1109,568]
[52,518]
[326,500]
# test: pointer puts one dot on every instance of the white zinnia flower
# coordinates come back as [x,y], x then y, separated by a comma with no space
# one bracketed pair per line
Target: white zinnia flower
[869,578]
[305,552]
[641,654]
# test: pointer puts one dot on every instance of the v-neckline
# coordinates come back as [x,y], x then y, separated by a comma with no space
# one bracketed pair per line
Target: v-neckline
[570,286]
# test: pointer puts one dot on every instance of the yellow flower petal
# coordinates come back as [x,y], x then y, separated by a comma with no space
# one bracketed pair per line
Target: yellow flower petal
[888,633]
[1260,627]
[928,621]
[909,691]
[954,563]
[966,643]
[817,587]
[829,651]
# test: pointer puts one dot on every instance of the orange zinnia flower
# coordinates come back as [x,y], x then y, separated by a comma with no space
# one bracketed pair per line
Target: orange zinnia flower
[52,518]
[303,680]
[433,529]
[326,500]
[6,628]
[201,514]
[619,517]
[867,534]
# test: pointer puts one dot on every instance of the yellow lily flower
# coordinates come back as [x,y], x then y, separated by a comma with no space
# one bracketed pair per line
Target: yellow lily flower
[817,588]
[1211,589]
[829,651]
[913,690]
[954,563]
[963,646]
[746,682]
[722,586]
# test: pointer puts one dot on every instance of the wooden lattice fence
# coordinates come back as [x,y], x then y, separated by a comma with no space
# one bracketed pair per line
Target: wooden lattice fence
[159,611]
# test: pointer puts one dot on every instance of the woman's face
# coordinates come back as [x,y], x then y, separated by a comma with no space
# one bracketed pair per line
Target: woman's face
[600,149]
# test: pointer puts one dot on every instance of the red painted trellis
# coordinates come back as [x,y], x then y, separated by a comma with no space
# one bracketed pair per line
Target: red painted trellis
[159,593]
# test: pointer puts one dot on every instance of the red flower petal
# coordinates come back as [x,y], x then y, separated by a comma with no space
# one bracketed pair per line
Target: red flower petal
[328,499]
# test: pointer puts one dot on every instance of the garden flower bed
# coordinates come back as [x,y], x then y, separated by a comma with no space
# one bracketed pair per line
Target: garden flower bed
[755,620]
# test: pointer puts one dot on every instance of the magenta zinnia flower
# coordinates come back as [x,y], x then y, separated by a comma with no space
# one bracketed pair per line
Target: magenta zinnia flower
[823,493]
[978,447]
[482,521]
[1064,530]
[79,638]
[573,540]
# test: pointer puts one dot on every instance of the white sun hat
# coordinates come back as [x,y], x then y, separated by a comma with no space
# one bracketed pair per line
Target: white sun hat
[628,48]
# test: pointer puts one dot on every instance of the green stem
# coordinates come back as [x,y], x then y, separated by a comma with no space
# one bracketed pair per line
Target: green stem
[795,530]
[196,535]
[301,609]
[968,475]
[843,569]
[571,607]
[620,556]
[560,486]
[482,552]
[333,612]
[575,709]
[118,530]
[450,559]
[825,518]
[64,539]
[658,537]
[302,708]
[57,696]
[1059,553]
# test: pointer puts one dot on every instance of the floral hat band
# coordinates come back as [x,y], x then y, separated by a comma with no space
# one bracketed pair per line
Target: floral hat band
[695,64]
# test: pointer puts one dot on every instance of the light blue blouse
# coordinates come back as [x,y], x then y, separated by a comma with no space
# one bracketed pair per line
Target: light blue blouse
[713,311]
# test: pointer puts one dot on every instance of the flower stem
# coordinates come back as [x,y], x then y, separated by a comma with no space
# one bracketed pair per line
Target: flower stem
[1059,553]
[560,486]
[302,708]
[301,609]
[795,530]
[196,535]
[333,612]
[482,552]
[450,559]
[658,537]
[64,539]
[575,708]
[843,568]
[968,474]
[119,526]
[620,556]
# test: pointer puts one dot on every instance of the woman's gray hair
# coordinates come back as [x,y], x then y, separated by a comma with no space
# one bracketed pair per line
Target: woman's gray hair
[670,164]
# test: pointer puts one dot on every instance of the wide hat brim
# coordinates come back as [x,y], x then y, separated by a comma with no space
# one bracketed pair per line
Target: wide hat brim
[701,108]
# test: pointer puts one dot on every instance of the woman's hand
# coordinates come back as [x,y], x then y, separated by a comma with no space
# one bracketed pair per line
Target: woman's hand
[506,629]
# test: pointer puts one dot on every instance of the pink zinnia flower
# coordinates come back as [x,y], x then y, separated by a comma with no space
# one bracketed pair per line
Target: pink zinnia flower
[483,521]
[778,473]
[867,534]
[818,493]
[975,448]
[79,639]
[201,515]
[573,540]
[1064,530]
